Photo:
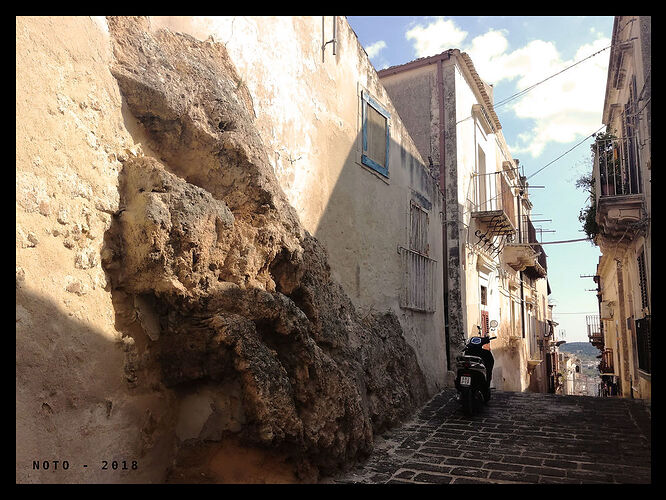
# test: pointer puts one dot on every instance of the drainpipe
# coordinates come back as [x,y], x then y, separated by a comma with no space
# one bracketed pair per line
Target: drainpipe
[442,187]
[520,273]
[334,40]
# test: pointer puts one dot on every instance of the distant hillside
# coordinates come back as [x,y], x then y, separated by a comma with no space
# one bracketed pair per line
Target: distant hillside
[584,348]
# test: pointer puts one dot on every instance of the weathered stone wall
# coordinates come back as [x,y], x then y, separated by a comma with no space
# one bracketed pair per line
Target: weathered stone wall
[307,107]
[170,306]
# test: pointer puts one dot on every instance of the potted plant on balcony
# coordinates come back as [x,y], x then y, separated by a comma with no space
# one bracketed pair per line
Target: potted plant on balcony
[607,152]
[588,214]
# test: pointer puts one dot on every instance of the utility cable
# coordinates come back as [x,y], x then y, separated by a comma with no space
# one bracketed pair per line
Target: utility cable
[647,101]
[583,312]
[568,151]
[557,242]
[524,91]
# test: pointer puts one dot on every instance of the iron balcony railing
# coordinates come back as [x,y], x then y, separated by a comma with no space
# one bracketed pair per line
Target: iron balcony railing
[528,235]
[616,167]
[594,332]
[493,193]
[606,364]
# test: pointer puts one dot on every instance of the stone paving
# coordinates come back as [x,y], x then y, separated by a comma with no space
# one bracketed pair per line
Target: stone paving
[519,438]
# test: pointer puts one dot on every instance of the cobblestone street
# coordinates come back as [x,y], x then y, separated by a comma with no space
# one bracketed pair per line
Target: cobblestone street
[518,438]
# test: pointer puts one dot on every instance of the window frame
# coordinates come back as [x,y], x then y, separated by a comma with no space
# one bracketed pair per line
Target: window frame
[366,100]
[419,229]
[643,285]
[419,270]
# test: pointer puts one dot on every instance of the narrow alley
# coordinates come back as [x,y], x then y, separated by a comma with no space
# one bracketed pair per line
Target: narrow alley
[251,249]
[519,438]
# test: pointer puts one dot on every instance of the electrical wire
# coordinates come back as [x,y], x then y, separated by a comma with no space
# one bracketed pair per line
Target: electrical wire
[629,21]
[561,241]
[555,313]
[524,91]
[647,101]
[568,151]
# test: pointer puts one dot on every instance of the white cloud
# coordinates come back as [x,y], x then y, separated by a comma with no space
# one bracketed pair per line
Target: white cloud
[563,109]
[490,45]
[528,64]
[375,48]
[438,36]
[568,106]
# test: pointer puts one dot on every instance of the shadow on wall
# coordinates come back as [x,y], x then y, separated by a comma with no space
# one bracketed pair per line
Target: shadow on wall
[366,229]
[366,218]
[74,396]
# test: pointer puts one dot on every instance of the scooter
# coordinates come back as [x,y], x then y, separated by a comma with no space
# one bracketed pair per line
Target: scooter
[474,370]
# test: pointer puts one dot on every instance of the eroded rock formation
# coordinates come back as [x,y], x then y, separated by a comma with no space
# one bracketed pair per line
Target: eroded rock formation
[230,292]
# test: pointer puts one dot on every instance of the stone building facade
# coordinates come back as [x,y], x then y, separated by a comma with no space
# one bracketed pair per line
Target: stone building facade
[494,268]
[623,200]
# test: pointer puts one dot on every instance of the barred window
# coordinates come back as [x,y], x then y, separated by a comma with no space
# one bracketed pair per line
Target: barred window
[418,293]
[418,235]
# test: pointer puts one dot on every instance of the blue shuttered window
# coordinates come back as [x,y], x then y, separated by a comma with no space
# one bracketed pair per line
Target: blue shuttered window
[376,134]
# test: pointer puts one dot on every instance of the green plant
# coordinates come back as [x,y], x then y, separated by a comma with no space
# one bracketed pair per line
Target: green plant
[588,214]
[604,151]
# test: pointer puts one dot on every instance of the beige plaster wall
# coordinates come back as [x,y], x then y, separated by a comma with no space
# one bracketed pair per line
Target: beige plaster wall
[73,371]
[416,92]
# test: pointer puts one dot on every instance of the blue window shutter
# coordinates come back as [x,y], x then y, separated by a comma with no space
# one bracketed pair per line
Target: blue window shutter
[369,162]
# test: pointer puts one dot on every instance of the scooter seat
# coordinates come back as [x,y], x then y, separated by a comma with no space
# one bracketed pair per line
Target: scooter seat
[469,358]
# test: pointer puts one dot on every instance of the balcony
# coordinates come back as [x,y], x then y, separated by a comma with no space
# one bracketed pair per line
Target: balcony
[493,207]
[595,331]
[526,254]
[619,194]
[606,363]
[519,256]
[538,268]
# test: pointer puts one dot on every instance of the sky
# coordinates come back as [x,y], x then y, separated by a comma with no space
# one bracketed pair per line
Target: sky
[513,53]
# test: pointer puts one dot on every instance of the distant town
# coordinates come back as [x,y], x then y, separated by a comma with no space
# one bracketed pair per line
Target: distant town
[584,381]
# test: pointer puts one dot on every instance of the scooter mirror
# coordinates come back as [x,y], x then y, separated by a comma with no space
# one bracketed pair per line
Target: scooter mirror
[493,324]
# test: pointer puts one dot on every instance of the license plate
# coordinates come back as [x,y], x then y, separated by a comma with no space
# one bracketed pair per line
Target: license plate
[465,380]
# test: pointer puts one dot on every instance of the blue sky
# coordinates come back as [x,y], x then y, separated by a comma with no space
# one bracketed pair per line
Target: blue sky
[513,53]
